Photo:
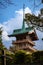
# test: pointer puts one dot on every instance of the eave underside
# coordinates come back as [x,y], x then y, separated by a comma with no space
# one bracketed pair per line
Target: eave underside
[24,41]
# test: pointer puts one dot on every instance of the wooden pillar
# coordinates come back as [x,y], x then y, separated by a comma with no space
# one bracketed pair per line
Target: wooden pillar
[3,57]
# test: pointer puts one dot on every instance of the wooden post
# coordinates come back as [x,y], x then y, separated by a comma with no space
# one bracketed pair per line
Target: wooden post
[3,57]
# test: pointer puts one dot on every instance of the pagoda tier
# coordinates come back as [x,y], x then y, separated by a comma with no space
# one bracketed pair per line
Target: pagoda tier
[29,49]
[21,36]
[24,44]
[24,41]
[25,48]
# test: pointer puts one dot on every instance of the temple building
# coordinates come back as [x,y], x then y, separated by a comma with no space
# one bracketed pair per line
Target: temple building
[24,39]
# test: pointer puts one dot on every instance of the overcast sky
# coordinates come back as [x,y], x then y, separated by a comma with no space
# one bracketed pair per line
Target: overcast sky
[11,18]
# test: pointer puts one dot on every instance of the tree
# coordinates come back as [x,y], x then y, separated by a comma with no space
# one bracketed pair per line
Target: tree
[28,58]
[37,57]
[35,21]
[19,57]
[1,43]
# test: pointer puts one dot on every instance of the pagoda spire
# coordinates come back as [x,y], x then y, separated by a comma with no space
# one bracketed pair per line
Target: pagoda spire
[23,26]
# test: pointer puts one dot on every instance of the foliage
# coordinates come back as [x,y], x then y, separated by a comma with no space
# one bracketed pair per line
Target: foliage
[28,58]
[23,58]
[1,43]
[0,35]
[37,56]
[35,21]
[9,59]
[19,57]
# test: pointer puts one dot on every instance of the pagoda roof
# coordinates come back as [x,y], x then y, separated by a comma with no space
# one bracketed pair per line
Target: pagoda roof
[24,41]
[20,31]
[23,30]
[30,48]
[26,48]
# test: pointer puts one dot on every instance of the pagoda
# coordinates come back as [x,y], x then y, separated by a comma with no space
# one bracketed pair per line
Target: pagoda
[24,39]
